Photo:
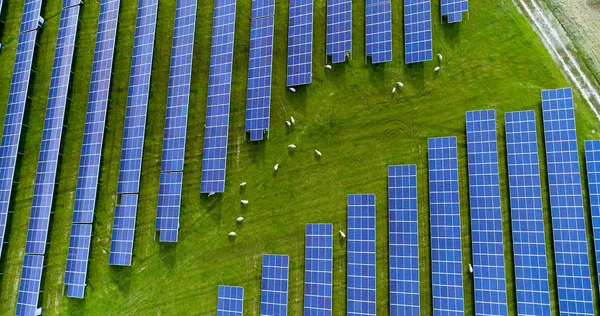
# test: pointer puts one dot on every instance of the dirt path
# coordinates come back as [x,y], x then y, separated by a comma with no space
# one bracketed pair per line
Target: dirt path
[561,48]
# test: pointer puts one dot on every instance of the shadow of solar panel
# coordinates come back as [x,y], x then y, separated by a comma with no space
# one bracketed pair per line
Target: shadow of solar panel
[446,250]
[403,240]
[300,33]
[339,30]
[274,288]
[379,32]
[361,278]
[121,245]
[566,203]
[29,286]
[169,201]
[486,214]
[230,301]
[529,246]
[77,259]
[418,43]
[318,273]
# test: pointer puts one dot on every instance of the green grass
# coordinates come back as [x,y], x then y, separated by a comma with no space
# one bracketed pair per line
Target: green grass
[492,60]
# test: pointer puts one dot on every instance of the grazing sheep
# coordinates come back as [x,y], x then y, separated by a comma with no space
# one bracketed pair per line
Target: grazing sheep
[436,69]
[245,202]
[440,57]
[318,153]
[470,268]
[211,194]
[292,120]
[342,234]
[239,219]
[232,234]
[394,90]
[288,123]
[276,167]
[328,67]
[292,89]
[292,146]
[400,84]
[243,184]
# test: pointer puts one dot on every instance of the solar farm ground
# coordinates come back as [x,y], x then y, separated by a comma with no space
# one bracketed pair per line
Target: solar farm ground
[491,60]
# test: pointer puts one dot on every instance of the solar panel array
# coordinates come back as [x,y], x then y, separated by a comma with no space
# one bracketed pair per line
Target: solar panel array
[592,158]
[121,245]
[418,44]
[77,259]
[176,121]
[446,250]
[318,273]
[339,30]
[486,214]
[566,203]
[274,288]
[361,255]
[258,99]
[214,159]
[378,30]
[31,15]
[15,109]
[137,99]
[29,286]
[453,9]
[230,301]
[403,240]
[300,37]
[529,241]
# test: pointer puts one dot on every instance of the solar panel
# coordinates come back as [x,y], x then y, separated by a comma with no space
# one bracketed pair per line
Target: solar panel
[31,15]
[300,33]
[566,203]
[378,35]
[262,8]
[404,240]
[13,123]
[446,250]
[318,273]
[93,131]
[77,259]
[214,158]
[121,245]
[69,3]
[592,158]
[179,86]
[418,44]
[486,214]
[29,286]
[274,289]
[230,301]
[339,30]
[529,241]
[137,99]
[361,255]
[453,9]
[258,100]
[169,201]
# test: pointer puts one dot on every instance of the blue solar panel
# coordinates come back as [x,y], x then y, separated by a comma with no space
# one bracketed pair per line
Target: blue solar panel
[378,34]
[339,30]
[29,287]
[318,273]
[70,3]
[300,34]
[566,203]
[361,255]
[592,158]
[404,240]
[169,201]
[446,250]
[77,259]
[453,9]
[529,241]
[258,100]
[179,86]
[137,100]
[274,288]
[13,123]
[230,301]
[214,159]
[93,131]
[31,15]
[121,245]
[418,44]
[486,214]
[52,133]
[262,8]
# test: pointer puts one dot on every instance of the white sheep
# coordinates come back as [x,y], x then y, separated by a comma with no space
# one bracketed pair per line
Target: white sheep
[243,184]
[342,234]
[470,268]
[436,69]
[318,153]
[440,57]
[288,123]
[400,84]
[239,219]
[211,194]
[328,67]
[232,234]
[292,146]
[245,202]
[292,120]
[276,167]
[292,89]
[394,90]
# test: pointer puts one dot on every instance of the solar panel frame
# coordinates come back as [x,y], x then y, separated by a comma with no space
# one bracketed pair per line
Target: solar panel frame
[529,241]
[592,159]
[444,204]
[418,43]
[339,30]
[361,277]
[169,202]
[93,131]
[123,233]
[566,203]
[230,301]
[378,32]
[318,273]
[132,149]
[300,40]
[403,240]
[77,260]
[29,286]
[274,288]
[486,214]
[216,132]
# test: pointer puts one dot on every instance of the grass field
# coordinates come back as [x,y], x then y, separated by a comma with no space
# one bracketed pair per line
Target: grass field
[492,60]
